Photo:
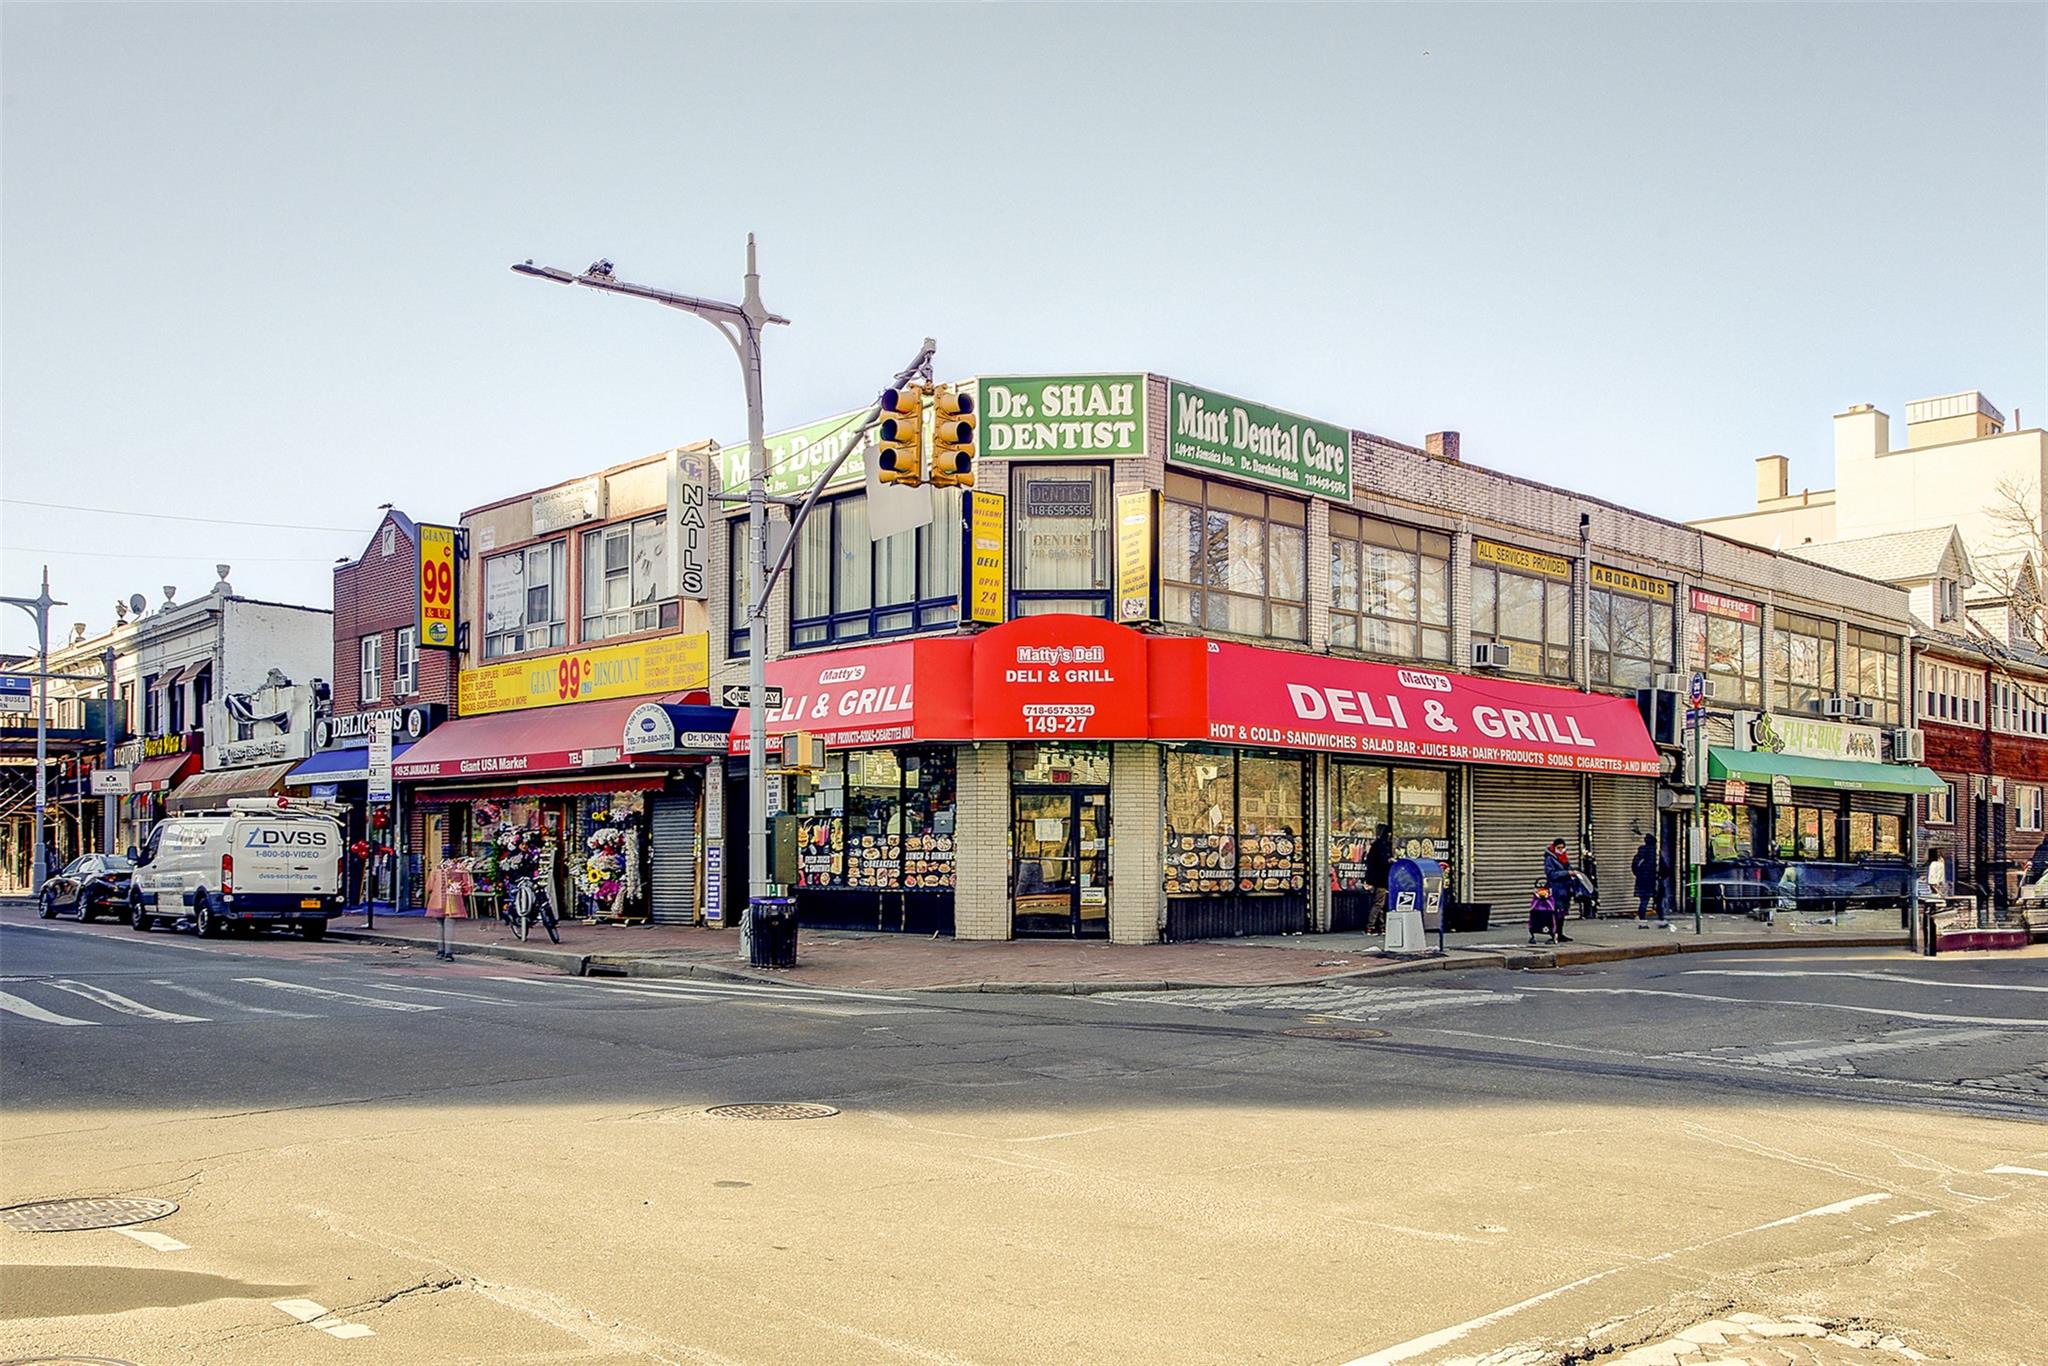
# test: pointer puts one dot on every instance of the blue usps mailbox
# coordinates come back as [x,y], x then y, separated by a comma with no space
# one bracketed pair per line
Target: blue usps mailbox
[1415,888]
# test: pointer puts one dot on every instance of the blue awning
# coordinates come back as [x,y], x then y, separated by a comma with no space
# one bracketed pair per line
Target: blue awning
[338,766]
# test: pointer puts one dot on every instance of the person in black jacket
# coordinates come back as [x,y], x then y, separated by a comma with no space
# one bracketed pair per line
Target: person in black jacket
[1379,867]
[1557,877]
[1648,869]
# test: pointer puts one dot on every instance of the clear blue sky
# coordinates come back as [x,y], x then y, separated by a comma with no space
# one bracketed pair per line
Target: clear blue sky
[255,256]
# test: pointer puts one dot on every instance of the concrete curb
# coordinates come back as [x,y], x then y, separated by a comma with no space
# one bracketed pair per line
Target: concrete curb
[1535,958]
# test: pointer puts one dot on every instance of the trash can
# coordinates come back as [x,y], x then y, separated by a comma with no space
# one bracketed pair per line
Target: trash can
[771,926]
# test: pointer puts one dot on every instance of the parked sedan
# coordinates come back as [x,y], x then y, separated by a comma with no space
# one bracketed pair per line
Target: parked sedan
[87,886]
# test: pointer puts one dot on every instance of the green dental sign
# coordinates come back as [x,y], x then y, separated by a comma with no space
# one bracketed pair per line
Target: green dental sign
[1224,435]
[1062,417]
[795,458]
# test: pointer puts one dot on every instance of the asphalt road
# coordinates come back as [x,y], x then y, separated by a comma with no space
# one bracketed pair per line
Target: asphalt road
[379,1158]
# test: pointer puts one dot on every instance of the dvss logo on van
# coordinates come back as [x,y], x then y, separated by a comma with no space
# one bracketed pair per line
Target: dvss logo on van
[266,837]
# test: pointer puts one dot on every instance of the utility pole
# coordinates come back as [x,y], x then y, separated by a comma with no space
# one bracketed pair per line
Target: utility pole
[740,324]
[39,607]
[109,802]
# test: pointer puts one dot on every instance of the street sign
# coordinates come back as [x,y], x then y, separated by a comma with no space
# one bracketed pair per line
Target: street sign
[380,761]
[111,782]
[1696,692]
[17,693]
[736,696]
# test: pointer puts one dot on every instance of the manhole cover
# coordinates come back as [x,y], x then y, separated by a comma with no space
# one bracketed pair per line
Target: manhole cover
[1333,1032]
[66,1216]
[773,1110]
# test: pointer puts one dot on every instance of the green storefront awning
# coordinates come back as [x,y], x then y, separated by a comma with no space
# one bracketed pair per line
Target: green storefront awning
[1760,766]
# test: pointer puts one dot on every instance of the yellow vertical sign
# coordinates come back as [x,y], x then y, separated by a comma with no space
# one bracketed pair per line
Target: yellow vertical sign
[437,587]
[987,567]
[1135,515]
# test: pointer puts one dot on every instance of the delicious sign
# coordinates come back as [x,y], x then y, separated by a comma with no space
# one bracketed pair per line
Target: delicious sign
[1226,435]
[1275,697]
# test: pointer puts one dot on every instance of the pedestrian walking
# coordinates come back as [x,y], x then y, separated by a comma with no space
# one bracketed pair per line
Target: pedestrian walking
[1588,888]
[1649,868]
[1542,913]
[1557,879]
[1379,868]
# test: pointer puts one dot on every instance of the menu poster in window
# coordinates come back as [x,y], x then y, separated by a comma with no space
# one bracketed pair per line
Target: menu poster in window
[1137,579]
[818,855]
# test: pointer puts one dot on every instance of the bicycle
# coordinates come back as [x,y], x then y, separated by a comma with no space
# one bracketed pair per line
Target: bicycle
[529,902]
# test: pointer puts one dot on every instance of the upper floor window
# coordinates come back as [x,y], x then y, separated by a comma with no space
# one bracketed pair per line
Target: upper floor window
[2020,707]
[526,600]
[405,662]
[1629,628]
[373,670]
[1949,693]
[1389,588]
[1802,662]
[847,586]
[389,541]
[626,582]
[1523,599]
[738,555]
[1234,559]
[1941,806]
[153,705]
[1950,605]
[2027,807]
[1062,553]
[1730,637]
[1870,670]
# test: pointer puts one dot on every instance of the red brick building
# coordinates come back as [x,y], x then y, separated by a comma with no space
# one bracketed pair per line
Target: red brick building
[379,670]
[1984,713]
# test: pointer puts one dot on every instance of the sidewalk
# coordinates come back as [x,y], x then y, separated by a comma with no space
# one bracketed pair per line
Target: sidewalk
[895,962]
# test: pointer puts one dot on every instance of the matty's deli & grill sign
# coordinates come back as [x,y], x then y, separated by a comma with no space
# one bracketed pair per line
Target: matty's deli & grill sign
[1224,435]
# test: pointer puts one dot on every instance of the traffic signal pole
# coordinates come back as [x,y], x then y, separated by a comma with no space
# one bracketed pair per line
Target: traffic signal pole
[38,608]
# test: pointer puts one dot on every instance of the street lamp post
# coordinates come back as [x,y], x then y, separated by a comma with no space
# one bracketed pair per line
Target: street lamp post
[39,607]
[740,324]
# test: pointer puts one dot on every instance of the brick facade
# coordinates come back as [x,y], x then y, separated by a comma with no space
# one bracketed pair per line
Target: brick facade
[376,594]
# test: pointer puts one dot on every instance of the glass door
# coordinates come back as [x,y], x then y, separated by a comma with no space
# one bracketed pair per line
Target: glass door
[1060,883]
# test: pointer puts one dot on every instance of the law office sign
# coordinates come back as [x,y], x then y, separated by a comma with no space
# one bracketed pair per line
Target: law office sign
[1223,435]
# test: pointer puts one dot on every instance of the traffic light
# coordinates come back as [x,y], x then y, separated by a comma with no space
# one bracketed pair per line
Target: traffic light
[901,435]
[952,438]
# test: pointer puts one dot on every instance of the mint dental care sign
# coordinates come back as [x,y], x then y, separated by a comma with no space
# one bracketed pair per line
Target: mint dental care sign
[1223,435]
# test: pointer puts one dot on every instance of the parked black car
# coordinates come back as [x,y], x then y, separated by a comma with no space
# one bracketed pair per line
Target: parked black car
[87,886]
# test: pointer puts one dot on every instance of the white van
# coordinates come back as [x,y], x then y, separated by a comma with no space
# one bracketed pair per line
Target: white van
[259,862]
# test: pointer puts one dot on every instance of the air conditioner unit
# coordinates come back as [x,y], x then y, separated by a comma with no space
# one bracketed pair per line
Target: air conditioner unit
[1677,683]
[1834,706]
[1909,746]
[1860,710]
[1488,654]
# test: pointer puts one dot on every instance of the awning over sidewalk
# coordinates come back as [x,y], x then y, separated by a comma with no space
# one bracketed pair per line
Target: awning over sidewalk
[215,787]
[511,744]
[1248,695]
[161,773]
[1760,766]
[900,693]
[339,766]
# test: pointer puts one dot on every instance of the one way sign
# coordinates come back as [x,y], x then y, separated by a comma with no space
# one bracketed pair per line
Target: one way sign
[735,696]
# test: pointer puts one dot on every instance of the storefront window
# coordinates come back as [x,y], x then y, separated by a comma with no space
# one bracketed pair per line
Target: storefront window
[1059,765]
[1805,832]
[626,579]
[1414,802]
[1873,836]
[1389,588]
[849,587]
[880,820]
[1802,662]
[526,600]
[1234,823]
[1731,831]
[1870,670]
[1233,559]
[1630,637]
[1062,556]
[1734,654]
[738,555]
[1531,614]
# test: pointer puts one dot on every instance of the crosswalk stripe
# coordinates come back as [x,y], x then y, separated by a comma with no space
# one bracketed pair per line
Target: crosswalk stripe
[622,989]
[196,994]
[678,992]
[305,1311]
[29,1010]
[1866,976]
[161,1242]
[438,991]
[771,989]
[376,1002]
[1907,1042]
[115,1001]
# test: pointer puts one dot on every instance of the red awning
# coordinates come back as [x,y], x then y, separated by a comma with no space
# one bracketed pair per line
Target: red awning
[160,773]
[1246,695]
[509,745]
[896,694]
